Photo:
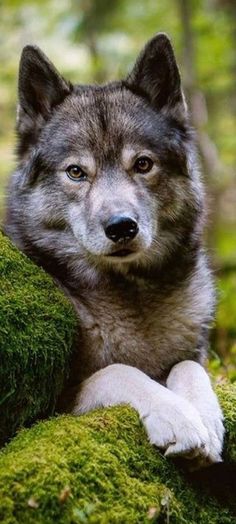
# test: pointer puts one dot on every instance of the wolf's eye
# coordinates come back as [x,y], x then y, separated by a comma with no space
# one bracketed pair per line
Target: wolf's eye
[75,172]
[143,164]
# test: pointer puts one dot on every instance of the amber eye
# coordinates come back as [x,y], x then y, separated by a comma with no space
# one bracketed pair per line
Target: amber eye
[75,173]
[143,164]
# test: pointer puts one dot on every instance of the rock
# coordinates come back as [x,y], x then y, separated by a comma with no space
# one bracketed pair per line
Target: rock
[37,325]
[98,468]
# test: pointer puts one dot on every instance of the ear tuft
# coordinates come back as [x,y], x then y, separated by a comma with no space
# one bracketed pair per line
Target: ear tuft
[156,76]
[40,89]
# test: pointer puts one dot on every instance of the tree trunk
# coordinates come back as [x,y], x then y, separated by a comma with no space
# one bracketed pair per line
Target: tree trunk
[195,97]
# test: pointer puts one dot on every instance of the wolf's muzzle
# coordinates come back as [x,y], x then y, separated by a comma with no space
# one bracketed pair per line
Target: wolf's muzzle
[121,228]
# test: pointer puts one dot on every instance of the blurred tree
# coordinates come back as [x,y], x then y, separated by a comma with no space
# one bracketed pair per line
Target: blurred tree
[230,7]
[196,98]
[93,17]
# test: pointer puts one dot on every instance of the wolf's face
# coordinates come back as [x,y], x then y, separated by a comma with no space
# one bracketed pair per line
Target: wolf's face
[107,173]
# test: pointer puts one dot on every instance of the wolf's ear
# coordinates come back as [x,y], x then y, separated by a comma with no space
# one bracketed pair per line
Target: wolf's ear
[156,77]
[40,89]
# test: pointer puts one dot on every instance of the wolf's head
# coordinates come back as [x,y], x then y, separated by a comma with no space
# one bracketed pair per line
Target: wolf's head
[107,173]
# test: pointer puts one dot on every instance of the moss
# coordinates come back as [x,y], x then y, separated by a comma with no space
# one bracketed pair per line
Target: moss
[36,331]
[99,468]
[227,396]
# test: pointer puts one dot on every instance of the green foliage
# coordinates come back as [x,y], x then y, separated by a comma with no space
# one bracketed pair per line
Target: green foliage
[100,468]
[225,242]
[223,367]
[226,314]
[224,336]
[36,333]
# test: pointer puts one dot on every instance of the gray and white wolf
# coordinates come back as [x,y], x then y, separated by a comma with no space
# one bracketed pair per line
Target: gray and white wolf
[108,198]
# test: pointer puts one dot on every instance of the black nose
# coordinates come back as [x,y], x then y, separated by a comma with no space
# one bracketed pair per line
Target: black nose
[120,228]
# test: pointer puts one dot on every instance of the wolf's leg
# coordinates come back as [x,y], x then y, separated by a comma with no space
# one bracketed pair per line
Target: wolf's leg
[190,381]
[169,419]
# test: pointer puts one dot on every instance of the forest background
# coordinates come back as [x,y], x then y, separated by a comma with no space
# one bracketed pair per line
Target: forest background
[98,40]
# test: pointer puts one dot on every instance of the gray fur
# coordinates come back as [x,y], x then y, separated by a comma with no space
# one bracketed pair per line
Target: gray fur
[152,308]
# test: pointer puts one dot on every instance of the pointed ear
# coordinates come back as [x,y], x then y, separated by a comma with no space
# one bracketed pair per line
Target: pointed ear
[40,89]
[156,77]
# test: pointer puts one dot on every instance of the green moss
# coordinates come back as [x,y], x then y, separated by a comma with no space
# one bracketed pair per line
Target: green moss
[99,468]
[227,397]
[36,331]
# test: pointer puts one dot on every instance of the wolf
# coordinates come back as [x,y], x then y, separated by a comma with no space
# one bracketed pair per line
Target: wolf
[108,198]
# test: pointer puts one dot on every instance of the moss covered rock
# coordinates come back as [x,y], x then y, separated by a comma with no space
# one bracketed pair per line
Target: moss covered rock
[36,331]
[227,397]
[100,468]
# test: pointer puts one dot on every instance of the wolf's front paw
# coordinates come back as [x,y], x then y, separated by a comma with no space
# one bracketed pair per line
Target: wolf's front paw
[190,381]
[212,418]
[176,427]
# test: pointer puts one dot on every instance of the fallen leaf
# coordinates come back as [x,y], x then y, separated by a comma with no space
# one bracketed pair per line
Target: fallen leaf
[65,493]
